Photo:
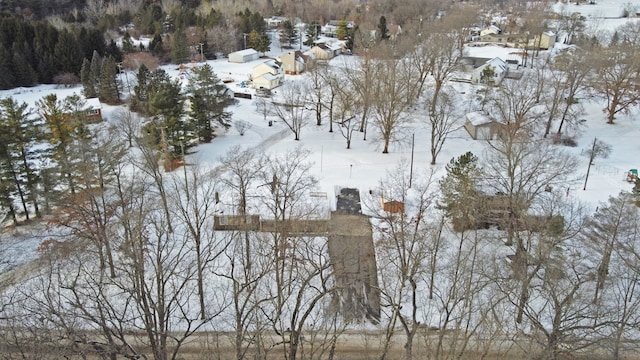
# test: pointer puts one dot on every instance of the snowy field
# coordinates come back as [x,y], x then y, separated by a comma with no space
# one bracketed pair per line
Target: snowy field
[363,166]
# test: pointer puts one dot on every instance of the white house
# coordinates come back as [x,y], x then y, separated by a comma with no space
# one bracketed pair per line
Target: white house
[275,21]
[243,56]
[499,68]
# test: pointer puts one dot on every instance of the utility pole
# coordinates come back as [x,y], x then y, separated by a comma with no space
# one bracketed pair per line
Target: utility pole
[119,65]
[244,35]
[413,136]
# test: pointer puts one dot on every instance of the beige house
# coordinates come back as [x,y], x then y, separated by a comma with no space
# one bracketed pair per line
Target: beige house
[322,52]
[293,62]
[544,41]
[268,81]
[267,75]
[326,51]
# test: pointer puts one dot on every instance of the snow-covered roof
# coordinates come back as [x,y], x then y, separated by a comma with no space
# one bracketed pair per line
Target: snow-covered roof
[245,52]
[498,64]
[269,76]
[477,118]
[93,103]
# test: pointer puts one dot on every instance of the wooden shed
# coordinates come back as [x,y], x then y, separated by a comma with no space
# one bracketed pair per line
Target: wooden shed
[393,206]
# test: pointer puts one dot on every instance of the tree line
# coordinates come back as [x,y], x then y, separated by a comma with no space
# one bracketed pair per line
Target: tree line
[45,148]
[36,53]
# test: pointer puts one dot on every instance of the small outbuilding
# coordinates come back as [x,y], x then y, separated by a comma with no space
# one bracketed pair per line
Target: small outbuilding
[546,40]
[93,110]
[482,127]
[393,206]
[243,56]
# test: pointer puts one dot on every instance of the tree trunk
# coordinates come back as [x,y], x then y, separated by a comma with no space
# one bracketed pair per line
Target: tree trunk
[200,279]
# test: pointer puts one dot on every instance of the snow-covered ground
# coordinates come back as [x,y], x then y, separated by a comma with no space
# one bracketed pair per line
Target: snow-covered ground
[364,165]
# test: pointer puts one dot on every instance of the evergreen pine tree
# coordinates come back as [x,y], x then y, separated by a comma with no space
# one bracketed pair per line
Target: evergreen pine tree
[24,74]
[25,133]
[179,49]
[62,125]
[88,82]
[208,97]
[140,100]
[114,51]
[383,30]
[156,46]
[313,31]
[7,80]
[109,91]
[127,44]
[287,34]
[96,69]
[67,53]
[258,42]
[167,103]
[459,191]
[46,66]
[8,190]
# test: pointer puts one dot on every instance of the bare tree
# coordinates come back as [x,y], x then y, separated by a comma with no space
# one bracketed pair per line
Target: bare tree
[163,302]
[443,120]
[598,149]
[149,162]
[345,107]
[616,71]
[574,69]
[300,266]
[614,223]
[570,24]
[290,106]
[128,124]
[442,51]
[249,255]
[242,126]
[194,201]
[392,95]
[515,104]
[250,266]
[317,74]
[521,171]
[90,212]
[401,250]
[618,220]
[361,79]
[263,107]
